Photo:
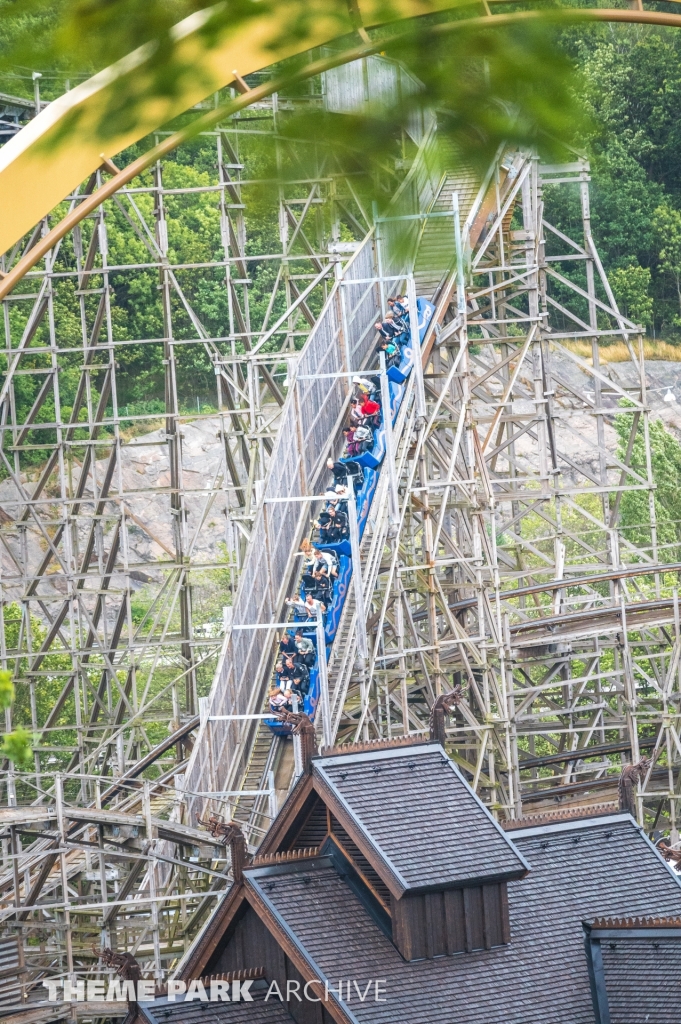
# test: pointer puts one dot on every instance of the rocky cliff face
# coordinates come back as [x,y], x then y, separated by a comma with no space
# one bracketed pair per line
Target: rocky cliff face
[575,426]
[141,488]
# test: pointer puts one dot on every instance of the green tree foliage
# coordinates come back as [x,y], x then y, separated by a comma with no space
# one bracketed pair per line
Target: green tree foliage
[194,238]
[633,87]
[667,225]
[631,90]
[6,689]
[16,690]
[16,745]
[666,467]
[631,287]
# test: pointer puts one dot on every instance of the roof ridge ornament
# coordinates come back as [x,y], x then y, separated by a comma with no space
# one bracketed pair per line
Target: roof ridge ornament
[229,833]
[554,817]
[647,921]
[285,856]
[363,746]
[443,706]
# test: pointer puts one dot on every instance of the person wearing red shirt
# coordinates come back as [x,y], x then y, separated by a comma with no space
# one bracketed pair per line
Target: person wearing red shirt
[370,410]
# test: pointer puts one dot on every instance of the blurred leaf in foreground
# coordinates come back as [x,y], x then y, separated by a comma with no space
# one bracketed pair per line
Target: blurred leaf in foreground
[16,746]
[6,689]
[486,85]
[505,80]
[78,38]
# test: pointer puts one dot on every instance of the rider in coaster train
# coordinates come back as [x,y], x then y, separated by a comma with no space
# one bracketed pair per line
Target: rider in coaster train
[369,386]
[386,328]
[342,470]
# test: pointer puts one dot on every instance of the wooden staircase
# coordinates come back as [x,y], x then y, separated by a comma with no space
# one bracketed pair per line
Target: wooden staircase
[250,811]
[436,247]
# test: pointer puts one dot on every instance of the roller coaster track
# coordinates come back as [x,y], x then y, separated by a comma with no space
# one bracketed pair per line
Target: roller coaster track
[431,265]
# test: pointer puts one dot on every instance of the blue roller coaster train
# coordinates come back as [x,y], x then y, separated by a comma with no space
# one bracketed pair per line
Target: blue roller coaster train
[371,463]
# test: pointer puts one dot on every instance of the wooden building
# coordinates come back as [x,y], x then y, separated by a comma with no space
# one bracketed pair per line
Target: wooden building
[388,888]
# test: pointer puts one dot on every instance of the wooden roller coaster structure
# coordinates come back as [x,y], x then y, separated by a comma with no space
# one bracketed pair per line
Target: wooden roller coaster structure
[492,564]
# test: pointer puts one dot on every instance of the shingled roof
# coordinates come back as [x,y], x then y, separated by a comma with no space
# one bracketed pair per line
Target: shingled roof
[635,967]
[259,1011]
[322,915]
[643,980]
[412,813]
[579,869]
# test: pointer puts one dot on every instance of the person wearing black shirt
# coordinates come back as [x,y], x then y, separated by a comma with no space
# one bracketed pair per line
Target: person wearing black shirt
[287,644]
[301,680]
[342,470]
[386,328]
[309,583]
[288,667]
[333,526]
[323,590]
[399,314]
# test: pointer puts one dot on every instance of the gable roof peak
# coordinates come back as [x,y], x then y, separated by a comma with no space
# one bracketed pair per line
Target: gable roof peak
[415,818]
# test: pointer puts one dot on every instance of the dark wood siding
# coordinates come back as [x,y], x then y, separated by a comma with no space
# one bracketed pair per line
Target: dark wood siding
[505,916]
[407,930]
[308,828]
[455,922]
[475,922]
[451,921]
[372,877]
[313,830]
[492,911]
[435,924]
[249,944]
[305,1011]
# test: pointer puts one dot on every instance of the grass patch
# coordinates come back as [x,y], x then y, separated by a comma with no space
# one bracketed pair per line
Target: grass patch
[619,353]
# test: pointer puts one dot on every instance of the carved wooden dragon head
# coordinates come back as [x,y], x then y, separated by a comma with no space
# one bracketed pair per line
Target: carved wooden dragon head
[671,855]
[125,964]
[448,701]
[298,719]
[636,771]
[630,774]
[441,707]
[226,831]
